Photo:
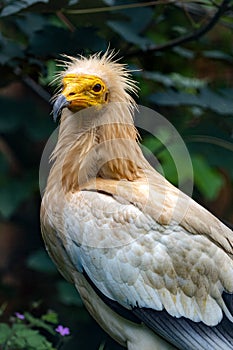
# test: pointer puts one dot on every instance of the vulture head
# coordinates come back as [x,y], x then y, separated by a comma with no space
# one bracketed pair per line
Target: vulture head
[93,82]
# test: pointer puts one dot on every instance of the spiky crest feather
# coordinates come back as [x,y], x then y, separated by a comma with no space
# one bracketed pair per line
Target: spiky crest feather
[116,75]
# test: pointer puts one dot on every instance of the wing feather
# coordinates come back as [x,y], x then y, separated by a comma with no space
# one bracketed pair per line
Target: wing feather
[163,202]
[182,333]
[147,265]
[186,334]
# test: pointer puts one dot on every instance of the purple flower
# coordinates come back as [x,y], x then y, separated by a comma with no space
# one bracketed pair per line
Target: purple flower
[63,331]
[19,316]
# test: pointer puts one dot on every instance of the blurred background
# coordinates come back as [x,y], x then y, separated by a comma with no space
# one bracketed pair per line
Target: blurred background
[182,54]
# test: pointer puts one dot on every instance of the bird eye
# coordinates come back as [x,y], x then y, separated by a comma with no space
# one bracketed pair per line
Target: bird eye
[97,87]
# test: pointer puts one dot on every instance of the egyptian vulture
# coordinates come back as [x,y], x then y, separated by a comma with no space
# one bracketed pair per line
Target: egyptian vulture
[151,277]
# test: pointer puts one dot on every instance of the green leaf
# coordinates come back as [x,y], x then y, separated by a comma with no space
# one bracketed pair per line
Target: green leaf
[138,18]
[181,51]
[226,92]
[51,70]
[29,339]
[39,323]
[216,102]
[179,29]
[9,50]
[29,23]
[5,333]
[208,180]
[218,55]
[41,262]
[175,80]
[205,99]
[128,34]
[158,77]
[73,2]
[180,81]
[50,317]
[45,42]
[19,5]
[174,98]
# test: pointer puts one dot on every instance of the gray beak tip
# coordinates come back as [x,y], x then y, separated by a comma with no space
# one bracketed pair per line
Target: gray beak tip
[60,103]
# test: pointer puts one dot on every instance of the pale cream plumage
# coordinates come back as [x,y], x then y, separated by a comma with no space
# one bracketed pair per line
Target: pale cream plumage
[129,240]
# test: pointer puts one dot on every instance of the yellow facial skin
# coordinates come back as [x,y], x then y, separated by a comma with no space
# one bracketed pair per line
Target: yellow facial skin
[82,91]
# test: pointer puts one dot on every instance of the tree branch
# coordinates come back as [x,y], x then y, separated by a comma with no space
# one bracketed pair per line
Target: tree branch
[65,20]
[186,38]
[33,85]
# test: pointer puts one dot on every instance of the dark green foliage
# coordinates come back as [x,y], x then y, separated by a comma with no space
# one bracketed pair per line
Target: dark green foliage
[190,82]
[27,332]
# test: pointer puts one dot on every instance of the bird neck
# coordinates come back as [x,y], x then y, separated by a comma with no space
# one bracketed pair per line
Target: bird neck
[96,144]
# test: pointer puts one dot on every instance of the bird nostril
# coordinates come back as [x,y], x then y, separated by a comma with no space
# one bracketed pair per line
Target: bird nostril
[71,94]
[106,97]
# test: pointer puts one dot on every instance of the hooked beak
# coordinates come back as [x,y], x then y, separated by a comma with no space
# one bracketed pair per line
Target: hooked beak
[60,103]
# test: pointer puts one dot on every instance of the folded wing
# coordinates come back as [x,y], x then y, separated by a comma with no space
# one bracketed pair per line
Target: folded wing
[140,264]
